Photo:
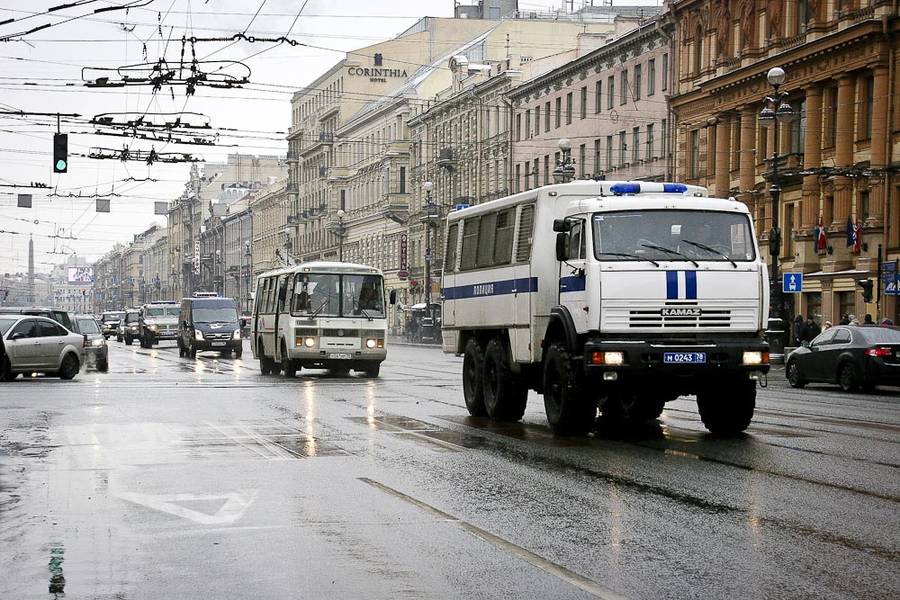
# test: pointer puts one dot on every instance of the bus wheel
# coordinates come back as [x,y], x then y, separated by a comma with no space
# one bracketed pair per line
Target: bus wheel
[473,390]
[729,410]
[504,395]
[288,366]
[567,412]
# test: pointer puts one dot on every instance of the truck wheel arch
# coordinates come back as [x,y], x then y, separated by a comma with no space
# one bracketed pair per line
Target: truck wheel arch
[561,328]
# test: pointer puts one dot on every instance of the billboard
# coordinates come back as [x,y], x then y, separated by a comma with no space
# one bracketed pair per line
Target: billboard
[81,275]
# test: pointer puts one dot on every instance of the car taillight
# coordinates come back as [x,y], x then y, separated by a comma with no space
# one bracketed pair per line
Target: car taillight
[879,352]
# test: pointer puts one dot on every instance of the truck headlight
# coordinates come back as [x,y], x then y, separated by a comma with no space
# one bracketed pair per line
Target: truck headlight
[236,335]
[612,359]
[198,335]
[153,327]
[98,342]
[309,342]
[755,357]
[371,343]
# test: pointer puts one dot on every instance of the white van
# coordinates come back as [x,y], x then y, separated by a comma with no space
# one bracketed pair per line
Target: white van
[612,295]
[327,315]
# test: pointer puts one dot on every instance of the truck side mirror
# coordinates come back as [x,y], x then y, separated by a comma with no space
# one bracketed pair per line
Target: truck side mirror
[393,297]
[560,225]
[562,246]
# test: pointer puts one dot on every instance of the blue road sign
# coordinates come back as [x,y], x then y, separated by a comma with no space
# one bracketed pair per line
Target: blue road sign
[890,278]
[792,283]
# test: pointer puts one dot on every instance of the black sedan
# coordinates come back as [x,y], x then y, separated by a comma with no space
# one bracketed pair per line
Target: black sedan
[850,356]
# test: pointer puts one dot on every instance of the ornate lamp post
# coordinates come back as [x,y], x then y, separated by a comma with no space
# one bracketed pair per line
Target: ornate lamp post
[565,167]
[340,230]
[430,218]
[776,110]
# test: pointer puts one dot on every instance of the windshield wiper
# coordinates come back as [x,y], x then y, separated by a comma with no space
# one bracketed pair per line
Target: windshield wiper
[670,251]
[711,250]
[365,314]
[318,310]
[629,256]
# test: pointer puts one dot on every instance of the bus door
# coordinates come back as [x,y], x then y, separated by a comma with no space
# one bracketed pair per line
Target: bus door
[282,306]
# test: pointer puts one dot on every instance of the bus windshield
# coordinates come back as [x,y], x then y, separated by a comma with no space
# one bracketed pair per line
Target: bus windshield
[673,235]
[333,295]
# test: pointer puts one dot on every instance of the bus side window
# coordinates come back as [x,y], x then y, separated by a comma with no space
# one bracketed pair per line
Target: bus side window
[283,293]
[267,296]
[452,237]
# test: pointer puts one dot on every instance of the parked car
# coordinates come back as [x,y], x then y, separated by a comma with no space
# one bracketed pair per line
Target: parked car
[129,327]
[109,322]
[209,323]
[95,351]
[39,345]
[158,322]
[57,314]
[850,356]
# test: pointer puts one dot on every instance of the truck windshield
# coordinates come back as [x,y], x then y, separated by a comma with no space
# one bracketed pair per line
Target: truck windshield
[673,235]
[132,317]
[333,295]
[161,311]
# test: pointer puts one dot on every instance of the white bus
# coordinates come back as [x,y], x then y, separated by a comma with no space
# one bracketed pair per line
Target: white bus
[612,295]
[327,315]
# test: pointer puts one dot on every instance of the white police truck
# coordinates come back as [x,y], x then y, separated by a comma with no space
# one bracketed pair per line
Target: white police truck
[646,292]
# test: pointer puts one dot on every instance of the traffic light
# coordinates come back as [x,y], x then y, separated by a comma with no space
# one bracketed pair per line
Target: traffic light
[60,152]
[866,285]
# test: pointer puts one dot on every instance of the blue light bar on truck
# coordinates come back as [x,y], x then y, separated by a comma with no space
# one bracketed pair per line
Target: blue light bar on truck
[620,189]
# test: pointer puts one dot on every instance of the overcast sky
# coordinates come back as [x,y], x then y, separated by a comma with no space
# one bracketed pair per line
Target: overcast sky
[43,73]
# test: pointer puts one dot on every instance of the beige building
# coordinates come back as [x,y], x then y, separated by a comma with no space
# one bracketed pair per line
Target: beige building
[838,156]
[270,245]
[156,269]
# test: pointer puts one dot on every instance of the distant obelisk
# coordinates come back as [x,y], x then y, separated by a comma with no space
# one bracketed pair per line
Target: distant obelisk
[30,270]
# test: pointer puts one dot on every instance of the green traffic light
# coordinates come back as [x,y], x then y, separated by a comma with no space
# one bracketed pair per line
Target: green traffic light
[60,165]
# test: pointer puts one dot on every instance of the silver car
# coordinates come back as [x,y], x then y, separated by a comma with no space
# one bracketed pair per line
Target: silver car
[39,345]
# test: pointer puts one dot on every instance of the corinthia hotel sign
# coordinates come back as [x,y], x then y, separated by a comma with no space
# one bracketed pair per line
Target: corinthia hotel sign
[377,73]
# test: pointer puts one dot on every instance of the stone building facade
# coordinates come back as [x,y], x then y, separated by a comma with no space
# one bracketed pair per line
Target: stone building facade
[838,158]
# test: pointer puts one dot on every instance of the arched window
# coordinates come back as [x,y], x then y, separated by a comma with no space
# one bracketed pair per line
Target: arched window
[698,48]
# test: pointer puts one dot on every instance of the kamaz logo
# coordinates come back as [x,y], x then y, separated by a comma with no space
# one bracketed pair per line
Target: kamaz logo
[681,312]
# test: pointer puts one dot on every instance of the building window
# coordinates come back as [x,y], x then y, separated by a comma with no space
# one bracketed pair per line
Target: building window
[610,91]
[584,102]
[635,144]
[569,108]
[736,143]
[698,49]
[798,129]
[537,120]
[546,168]
[582,156]
[637,82]
[830,114]
[547,116]
[402,180]
[694,155]
[518,127]
[596,156]
[827,210]
[518,178]
[558,112]
[846,302]
[803,16]
[664,138]
[650,154]
[623,87]
[622,149]
[788,229]
[609,152]
[862,209]
[664,84]
[651,76]
[598,96]
[527,174]
[527,124]
[865,121]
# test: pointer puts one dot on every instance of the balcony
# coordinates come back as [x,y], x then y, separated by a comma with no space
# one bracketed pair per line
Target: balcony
[447,159]
[340,173]
[395,206]
[397,148]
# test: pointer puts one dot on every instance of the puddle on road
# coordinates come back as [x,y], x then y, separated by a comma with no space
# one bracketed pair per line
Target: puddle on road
[55,566]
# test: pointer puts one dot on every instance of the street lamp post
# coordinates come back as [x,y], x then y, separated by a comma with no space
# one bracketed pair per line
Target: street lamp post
[340,230]
[565,167]
[776,110]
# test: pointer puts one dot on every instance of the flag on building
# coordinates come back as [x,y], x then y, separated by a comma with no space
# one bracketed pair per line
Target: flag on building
[857,238]
[851,232]
[821,240]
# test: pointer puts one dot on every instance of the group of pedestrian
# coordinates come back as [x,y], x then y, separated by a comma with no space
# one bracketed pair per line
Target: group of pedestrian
[805,331]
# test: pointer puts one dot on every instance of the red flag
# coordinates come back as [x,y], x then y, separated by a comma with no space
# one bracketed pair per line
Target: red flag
[821,240]
[857,238]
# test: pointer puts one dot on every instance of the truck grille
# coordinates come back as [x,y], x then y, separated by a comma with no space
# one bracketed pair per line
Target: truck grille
[617,315]
[655,318]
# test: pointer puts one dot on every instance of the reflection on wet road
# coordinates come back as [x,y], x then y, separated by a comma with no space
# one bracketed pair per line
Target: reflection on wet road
[188,478]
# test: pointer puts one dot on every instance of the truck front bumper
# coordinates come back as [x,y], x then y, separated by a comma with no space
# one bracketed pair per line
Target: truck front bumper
[683,367]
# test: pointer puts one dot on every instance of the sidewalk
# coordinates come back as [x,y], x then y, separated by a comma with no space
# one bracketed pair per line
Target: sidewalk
[396,340]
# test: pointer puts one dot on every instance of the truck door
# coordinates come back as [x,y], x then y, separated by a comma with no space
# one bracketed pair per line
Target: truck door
[572,279]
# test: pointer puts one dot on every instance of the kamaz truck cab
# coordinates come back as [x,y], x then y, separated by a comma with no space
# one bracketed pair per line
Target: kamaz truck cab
[617,296]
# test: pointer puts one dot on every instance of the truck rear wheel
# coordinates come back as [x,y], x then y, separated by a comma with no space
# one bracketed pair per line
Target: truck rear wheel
[567,412]
[729,410]
[473,390]
[505,397]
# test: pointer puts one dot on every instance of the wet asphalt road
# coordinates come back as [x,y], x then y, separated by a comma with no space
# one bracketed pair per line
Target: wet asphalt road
[180,478]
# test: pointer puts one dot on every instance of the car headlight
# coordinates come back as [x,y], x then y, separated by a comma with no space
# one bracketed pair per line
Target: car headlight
[755,357]
[198,335]
[236,335]
[98,342]
[153,327]
[309,342]
[371,343]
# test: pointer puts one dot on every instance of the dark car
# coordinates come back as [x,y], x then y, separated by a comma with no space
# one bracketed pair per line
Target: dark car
[57,314]
[129,327]
[95,350]
[209,323]
[850,356]
[109,322]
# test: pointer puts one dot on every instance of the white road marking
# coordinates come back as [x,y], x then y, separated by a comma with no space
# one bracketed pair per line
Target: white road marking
[231,510]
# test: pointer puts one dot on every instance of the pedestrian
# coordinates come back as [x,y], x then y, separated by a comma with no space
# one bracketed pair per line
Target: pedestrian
[828,325]
[799,327]
[845,320]
[868,320]
[811,330]
[853,320]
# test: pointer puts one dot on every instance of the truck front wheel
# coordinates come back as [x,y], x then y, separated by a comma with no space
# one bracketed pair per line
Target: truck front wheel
[567,412]
[729,410]
[505,397]
[473,390]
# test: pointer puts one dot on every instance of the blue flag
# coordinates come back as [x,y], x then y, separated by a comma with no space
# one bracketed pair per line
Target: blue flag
[851,231]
